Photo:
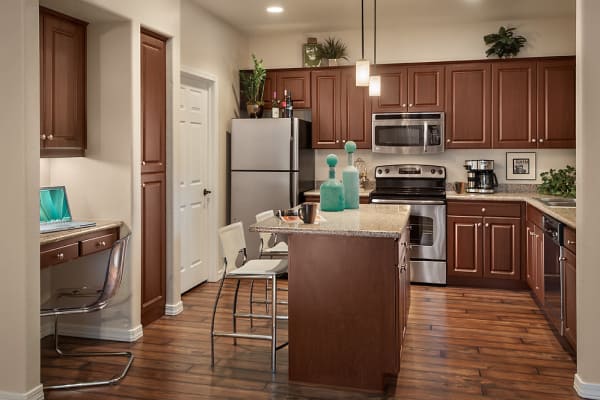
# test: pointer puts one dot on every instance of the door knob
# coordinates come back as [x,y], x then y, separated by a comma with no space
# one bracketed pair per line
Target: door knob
[207,192]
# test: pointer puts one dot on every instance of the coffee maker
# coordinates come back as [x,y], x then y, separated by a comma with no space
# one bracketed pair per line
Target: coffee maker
[480,176]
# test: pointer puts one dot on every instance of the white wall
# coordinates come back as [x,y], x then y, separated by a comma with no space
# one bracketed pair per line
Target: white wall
[587,380]
[211,46]
[19,246]
[420,40]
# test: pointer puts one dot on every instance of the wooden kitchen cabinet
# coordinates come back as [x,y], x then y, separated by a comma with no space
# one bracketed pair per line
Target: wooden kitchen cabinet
[62,85]
[77,246]
[296,81]
[570,287]
[556,103]
[468,105]
[514,105]
[414,88]
[535,253]
[484,241]
[340,110]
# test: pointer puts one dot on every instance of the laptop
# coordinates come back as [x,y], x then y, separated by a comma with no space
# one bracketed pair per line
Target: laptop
[55,214]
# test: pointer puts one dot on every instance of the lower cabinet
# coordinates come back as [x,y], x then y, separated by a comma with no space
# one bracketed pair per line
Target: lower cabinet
[484,240]
[570,290]
[535,260]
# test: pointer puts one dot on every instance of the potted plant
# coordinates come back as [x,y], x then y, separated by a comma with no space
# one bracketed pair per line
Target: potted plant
[504,43]
[331,50]
[252,86]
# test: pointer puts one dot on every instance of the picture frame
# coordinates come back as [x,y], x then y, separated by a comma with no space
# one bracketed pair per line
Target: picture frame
[521,166]
[310,55]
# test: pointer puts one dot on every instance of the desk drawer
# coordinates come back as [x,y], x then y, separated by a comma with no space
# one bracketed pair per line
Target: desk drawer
[96,244]
[59,255]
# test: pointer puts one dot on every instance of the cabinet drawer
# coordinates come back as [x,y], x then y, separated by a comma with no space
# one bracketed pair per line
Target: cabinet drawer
[59,255]
[95,244]
[534,215]
[570,239]
[485,208]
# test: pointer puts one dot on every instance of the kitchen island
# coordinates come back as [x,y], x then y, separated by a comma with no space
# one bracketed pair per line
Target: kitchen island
[348,295]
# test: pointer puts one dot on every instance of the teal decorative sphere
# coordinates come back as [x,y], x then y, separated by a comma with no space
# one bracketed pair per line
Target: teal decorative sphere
[350,146]
[332,160]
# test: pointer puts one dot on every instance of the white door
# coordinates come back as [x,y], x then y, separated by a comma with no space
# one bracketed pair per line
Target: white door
[193,174]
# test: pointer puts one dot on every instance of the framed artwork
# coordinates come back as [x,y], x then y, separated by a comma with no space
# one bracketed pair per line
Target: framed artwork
[520,166]
[309,55]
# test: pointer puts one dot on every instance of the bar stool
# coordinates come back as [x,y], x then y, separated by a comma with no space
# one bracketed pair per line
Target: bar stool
[69,302]
[234,244]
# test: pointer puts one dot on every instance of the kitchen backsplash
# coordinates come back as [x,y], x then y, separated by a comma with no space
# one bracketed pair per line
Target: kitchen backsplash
[453,160]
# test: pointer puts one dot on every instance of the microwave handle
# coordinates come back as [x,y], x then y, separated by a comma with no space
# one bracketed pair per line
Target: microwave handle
[425,136]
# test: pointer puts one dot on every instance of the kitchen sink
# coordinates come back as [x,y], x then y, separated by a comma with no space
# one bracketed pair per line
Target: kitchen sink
[557,202]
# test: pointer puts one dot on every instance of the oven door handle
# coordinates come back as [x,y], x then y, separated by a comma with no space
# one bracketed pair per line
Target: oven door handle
[408,202]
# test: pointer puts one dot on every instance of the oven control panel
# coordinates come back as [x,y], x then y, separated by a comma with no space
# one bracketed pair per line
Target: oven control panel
[410,171]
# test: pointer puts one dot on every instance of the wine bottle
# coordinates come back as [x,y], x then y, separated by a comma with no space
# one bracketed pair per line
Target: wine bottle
[275,106]
[288,105]
[283,104]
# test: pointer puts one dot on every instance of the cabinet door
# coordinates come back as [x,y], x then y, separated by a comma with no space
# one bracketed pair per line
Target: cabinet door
[270,87]
[62,85]
[465,246]
[298,83]
[556,103]
[539,264]
[153,82]
[355,111]
[426,88]
[514,105]
[531,256]
[326,132]
[570,298]
[394,92]
[502,247]
[153,247]
[468,106]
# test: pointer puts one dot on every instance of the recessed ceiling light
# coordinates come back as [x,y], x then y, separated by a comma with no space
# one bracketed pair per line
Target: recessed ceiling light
[274,9]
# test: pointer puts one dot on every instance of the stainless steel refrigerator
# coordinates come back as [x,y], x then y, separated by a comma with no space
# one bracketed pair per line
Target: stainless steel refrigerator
[271,165]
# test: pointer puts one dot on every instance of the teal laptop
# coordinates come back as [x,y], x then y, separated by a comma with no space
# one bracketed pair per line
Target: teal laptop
[55,213]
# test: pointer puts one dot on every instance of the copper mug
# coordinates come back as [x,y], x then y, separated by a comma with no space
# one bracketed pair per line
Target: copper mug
[308,212]
[459,187]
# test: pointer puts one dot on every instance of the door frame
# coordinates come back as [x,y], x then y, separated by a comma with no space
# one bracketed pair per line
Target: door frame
[213,162]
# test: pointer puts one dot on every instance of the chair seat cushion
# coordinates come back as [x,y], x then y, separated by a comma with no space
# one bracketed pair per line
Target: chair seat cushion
[280,247]
[261,267]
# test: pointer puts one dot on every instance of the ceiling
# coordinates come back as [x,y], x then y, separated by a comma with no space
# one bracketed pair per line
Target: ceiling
[308,16]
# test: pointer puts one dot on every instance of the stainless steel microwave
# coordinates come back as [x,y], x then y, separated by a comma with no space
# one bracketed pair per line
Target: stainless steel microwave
[408,133]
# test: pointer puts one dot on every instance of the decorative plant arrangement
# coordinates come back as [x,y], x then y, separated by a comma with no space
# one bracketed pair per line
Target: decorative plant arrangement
[504,43]
[559,182]
[253,86]
[332,49]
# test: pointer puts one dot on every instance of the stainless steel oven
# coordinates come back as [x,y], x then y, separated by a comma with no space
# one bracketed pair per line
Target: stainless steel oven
[408,133]
[423,188]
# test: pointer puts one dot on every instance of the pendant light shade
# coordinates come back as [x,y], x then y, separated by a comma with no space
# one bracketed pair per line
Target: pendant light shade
[362,72]
[375,85]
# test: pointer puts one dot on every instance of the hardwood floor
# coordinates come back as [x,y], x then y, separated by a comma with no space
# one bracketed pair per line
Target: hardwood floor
[461,344]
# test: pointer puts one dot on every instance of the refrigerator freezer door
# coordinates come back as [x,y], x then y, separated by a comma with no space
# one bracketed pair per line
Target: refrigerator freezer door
[254,192]
[261,144]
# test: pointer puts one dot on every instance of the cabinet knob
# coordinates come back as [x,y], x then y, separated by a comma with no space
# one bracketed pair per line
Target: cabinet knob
[60,256]
[483,210]
[533,140]
[50,136]
[337,141]
[541,140]
[487,225]
[344,141]
[531,233]
[143,185]
[403,104]
[448,141]
[562,259]
[101,244]
[143,162]
[570,242]
[42,137]
[479,224]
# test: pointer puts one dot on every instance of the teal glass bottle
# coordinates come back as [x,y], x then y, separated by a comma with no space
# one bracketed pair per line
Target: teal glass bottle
[332,191]
[350,178]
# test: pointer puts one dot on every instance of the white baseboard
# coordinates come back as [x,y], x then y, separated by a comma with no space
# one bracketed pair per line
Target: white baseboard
[37,393]
[95,332]
[174,309]
[585,389]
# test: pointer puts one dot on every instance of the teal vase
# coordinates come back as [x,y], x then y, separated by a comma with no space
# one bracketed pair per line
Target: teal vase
[350,178]
[332,191]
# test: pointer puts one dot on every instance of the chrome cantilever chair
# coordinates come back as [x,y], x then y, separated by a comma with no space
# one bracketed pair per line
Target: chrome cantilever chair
[69,302]
[234,244]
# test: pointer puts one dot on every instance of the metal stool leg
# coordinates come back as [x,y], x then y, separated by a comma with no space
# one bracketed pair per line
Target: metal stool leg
[251,301]
[212,324]
[273,323]
[235,297]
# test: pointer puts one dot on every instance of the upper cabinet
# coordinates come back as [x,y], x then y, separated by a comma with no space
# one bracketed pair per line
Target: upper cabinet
[355,111]
[410,89]
[296,81]
[62,85]
[556,103]
[468,105]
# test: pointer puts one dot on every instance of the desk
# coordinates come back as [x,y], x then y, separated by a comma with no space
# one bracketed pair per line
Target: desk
[60,247]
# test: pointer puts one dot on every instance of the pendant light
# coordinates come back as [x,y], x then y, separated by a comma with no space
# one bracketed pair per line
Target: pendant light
[375,80]
[362,65]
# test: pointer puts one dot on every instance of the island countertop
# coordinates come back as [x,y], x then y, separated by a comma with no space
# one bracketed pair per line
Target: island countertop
[370,220]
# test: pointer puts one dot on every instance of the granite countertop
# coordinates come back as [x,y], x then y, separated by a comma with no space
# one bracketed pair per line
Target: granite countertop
[52,237]
[370,220]
[563,214]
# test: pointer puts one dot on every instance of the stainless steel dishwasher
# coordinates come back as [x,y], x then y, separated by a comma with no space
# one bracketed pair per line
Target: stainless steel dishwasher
[554,273]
